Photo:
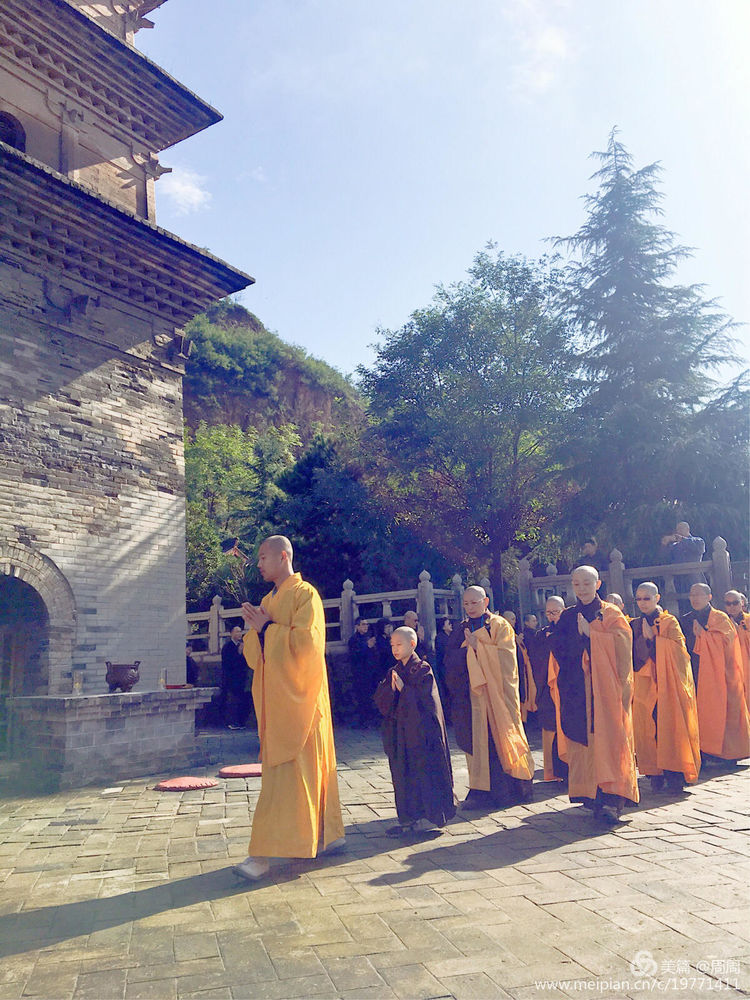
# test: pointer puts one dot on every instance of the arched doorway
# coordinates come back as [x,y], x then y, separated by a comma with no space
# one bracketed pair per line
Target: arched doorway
[24,646]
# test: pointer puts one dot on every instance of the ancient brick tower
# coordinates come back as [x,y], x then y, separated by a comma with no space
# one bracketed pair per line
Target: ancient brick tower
[93,297]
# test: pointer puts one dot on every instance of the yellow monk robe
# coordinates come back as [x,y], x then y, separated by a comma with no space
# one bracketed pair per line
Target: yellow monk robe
[562,748]
[526,684]
[743,631]
[665,682]
[723,719]
[593,693]
[298,812]
[493,682]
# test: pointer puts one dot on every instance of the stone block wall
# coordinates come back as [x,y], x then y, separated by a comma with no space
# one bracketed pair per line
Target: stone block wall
[69,742]
[92,477]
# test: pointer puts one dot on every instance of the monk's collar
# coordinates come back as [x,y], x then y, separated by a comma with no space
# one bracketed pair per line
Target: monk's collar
[477,623]
[589,611]
[296,577]
[703,615]
[652,615]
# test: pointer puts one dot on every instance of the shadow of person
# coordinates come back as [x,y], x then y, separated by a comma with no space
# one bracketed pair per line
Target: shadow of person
[42,927]
[518,841]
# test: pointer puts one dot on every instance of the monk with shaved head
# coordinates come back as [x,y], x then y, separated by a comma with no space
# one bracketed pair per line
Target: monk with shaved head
[555,769]
[735,605]
[593,651]
[481,673]
[716,655]
[414,738]
[298,813]
[665,711]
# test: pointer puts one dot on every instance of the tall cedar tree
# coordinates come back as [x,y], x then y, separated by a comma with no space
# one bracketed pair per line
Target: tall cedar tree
[465,398]
[651,434]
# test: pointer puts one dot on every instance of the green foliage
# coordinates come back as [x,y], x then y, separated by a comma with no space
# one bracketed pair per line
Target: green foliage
[240,373]
[231,480]
[651,433]
[466,398]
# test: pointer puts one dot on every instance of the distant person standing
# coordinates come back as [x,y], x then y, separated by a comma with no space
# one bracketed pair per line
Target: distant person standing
[192,670]
[362,664]
[444,629]
[234,672]
[411,620]
[734,605]
[682,547]
[592,556]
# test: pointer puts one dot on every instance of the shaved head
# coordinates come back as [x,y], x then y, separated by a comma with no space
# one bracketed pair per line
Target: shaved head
[700,596]
[554,608]
[587,572]
[648,588]
[406,633]
[616,600]
[555,602]
[733,595]
[280,543]
[701,588]
[476,592]
[683,528]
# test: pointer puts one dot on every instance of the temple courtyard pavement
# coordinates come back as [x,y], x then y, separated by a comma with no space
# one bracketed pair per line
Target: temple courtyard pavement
[129,892]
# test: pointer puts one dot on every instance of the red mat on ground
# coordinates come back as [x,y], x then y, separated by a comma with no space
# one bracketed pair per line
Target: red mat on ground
[186,784]
[241,771]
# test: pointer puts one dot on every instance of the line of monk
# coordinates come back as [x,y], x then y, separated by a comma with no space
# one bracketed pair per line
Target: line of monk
[613,695]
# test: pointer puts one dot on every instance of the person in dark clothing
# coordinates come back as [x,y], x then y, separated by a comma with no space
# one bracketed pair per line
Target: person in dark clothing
[411,620]
[682,547]
[383,657]
[415,739]
[444,629]
[591,555]
[234,678]
[192,670]
[365,675]
[555,769]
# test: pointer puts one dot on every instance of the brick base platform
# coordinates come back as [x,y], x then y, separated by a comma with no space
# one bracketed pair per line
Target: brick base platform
[71,741]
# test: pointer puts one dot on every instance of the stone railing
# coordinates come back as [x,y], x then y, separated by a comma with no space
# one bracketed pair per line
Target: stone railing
[533,591]
[208,629]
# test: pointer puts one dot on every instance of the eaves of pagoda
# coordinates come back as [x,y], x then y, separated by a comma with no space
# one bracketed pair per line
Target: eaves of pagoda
[51,224]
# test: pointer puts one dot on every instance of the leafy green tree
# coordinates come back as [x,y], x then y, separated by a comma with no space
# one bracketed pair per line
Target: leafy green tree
[466,399]
[340,529]
[651,426]
[231,481]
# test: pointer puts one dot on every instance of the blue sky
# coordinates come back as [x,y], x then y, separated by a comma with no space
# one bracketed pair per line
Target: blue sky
[370,150]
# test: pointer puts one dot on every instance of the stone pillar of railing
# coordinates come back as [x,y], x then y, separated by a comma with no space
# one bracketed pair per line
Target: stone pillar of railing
[426,607]
[524,586]
[347,613]
[721,570]
[457,586]
[487,586]
[669,598]
[214,625]
[616,573]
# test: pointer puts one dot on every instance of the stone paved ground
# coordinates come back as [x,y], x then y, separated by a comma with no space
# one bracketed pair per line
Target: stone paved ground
[127,892]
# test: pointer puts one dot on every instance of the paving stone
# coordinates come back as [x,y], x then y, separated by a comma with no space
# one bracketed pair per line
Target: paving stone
[494,904]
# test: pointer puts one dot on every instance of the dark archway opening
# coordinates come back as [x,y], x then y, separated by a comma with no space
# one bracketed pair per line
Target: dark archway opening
[24,646]
[12,132]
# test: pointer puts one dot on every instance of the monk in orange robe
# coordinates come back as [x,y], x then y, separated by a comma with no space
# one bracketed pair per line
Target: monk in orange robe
[481,673]
[298,814]
[723,719]
[735,603]
[592,676]
[555,768]
[526,682]
[665,711]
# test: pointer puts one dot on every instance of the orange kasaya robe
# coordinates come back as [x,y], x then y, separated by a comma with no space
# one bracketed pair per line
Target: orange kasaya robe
[493,684]
[528,704]
[665,683]
[723,718]
[743,631]
[593,692]
[298,812]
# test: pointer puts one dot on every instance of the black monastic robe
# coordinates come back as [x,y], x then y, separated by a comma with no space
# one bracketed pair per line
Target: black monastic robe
[416,743]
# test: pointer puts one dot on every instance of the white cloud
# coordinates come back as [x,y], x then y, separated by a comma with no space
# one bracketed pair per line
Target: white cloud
[543,47]
[185,189]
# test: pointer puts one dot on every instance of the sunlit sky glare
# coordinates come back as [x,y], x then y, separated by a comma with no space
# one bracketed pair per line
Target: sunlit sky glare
[370,150]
